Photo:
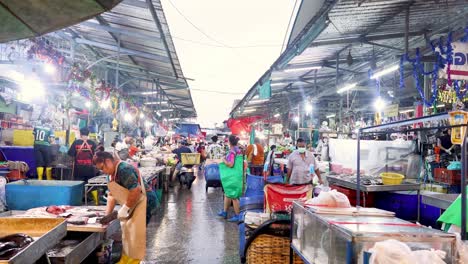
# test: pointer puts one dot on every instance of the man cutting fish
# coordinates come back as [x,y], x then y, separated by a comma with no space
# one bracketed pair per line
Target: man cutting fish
[127,188]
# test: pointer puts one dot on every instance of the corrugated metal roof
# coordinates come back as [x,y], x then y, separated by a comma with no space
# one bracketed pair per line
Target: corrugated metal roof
[148,56]
[371,27]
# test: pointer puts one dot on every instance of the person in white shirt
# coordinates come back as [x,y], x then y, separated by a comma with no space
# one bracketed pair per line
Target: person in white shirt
[215,151]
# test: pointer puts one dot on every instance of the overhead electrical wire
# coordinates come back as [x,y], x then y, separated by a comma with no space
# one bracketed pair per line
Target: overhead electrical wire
[218,92]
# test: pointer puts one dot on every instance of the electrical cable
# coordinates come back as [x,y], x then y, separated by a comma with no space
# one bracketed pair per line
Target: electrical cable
[195,26]
[218,92]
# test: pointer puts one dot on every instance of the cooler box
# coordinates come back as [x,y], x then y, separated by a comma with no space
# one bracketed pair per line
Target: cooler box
[24,195]
[404,204]
[352,196]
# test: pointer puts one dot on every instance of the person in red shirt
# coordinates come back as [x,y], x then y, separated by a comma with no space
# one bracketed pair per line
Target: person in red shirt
[132,149]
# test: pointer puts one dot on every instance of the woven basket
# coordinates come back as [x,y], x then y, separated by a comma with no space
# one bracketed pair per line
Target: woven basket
[269,249]
[297,259]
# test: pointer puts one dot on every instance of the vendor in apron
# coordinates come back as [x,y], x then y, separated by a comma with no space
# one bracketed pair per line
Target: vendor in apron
[128,189]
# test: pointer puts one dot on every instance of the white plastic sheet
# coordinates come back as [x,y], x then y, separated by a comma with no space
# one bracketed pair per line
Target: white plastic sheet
[396,252]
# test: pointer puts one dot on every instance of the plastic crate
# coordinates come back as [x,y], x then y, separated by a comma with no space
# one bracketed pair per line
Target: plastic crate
[403,204]
[450,177]
[254,185]
[275,179]
[252,203]
[24,195]
[190,158]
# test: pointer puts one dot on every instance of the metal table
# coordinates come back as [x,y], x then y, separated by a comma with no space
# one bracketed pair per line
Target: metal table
[80,240]
[439,200]
[95,182]
[405,186]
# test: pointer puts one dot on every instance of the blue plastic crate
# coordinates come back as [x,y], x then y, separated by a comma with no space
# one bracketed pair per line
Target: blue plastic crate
[24,195]
[252,203]
[275,179]
[254,184]
[241,239]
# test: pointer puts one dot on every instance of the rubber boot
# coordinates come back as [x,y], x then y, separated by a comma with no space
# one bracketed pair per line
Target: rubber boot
[133,261]
[40,173]
[94,195]
[49,173]
[124,259]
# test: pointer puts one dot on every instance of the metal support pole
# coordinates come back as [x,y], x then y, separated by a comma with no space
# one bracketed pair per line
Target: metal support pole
[407,26]
[118,62]
[358,170]
[463,187]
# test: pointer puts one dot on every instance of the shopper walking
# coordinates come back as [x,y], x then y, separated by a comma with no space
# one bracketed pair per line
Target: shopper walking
[128,189]
[302,165]
[43,136]
[215,150]
[231,179]
[82,150]
[270,161]
[255,157]
[183,148]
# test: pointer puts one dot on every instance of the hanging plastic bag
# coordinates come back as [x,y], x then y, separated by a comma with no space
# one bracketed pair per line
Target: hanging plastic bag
[331,198]
[390,252]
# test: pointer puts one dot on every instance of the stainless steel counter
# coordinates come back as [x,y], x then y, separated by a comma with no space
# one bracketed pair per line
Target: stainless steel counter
[405,186]
[439,200]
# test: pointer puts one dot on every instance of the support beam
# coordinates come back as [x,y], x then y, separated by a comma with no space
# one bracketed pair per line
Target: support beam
[384,46]
[110,29]
[364,39]
[123,50]
[163,35]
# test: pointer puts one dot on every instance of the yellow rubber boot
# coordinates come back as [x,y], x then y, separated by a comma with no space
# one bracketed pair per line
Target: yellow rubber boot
[49,173]
[123,260]
[133,261]
[40,173]
[94,195]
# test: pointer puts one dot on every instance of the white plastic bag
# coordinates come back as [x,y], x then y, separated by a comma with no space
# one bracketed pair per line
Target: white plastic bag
[323,199]
[341,200]
[462,249]
[390,252]
[331,198]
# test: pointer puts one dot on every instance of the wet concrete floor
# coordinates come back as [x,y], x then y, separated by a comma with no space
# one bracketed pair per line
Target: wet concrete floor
[186,228]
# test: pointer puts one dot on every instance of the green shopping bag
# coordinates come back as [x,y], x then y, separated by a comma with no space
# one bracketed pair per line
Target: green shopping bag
[452,216]
[231,178]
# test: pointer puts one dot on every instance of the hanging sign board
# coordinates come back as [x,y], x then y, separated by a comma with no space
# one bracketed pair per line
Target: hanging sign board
[459,66]
[391,110]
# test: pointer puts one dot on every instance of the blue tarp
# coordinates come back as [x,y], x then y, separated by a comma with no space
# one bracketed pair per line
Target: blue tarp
[188,129]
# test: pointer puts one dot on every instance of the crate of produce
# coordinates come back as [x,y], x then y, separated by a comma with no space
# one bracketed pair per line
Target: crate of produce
[24,195]
[190,158]
[450,177]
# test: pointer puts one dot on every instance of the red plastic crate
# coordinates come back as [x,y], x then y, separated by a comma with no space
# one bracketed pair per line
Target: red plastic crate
[351,194]
[450,177]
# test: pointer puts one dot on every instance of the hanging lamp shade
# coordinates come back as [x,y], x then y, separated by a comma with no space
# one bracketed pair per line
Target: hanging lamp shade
[31,18]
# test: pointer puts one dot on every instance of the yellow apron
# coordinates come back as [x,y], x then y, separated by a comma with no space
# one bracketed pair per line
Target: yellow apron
[134,228]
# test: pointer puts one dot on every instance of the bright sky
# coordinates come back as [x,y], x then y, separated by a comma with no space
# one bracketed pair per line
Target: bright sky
[255,30]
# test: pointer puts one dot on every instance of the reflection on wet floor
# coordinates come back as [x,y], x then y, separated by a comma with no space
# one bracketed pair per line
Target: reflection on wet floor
[187,230]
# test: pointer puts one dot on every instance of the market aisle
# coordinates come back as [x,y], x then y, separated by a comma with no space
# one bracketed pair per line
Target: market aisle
[187,230]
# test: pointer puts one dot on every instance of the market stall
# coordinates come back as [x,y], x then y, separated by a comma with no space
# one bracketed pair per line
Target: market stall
[84,231]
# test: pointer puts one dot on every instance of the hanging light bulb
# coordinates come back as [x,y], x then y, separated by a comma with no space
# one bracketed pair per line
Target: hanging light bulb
[128,117]
[142,115]
[379,104]
[88,104]
[49,68]
[105,104]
